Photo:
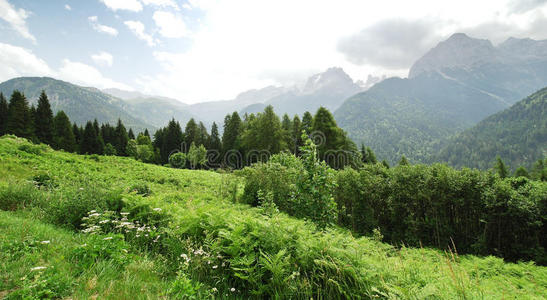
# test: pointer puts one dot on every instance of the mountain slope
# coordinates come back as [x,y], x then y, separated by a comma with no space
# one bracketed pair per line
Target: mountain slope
[81,104]
[451,88]
[518,134]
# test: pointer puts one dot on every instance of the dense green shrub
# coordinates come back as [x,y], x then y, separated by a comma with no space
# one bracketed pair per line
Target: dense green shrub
[18,196]
[177,160]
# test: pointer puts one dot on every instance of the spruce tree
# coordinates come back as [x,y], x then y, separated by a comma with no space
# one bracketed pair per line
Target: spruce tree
[191,134]
[539,170]
[63,137]
[19,116]
[77,131]
[3,114]
[330,136]
[130,134]
[90,141]
[500,168]
[297,134]
[172,139]
[287,127]
[232,132]
[146,133]
[43,121]
[121,139]
[203,136]
[307,122]
[214,139]
[404,161]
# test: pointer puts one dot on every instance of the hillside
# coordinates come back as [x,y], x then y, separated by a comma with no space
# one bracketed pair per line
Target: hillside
[518,135]
[81,104]
[201,244]
[452,87]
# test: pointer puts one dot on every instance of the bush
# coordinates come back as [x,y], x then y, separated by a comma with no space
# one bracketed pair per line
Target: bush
[18,196]
[177,160]
[32,149]
[141,188]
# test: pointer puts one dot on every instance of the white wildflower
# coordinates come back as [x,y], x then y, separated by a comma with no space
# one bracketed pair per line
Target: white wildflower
[107,238]
[215,266]
[232,290]
[44,242]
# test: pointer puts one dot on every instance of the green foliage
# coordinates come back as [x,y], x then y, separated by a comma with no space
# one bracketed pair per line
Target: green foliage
[32,149]
[177,160]
[197,156]
[109,150]
[521,172]
[184,288]
[4,113]
[19,120]
[43,123]
[131,148]
[500,168]
[518,134]
[100,248]
[63,136]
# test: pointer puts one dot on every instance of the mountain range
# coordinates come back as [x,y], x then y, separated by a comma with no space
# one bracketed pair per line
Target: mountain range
[451,88]
[425,117]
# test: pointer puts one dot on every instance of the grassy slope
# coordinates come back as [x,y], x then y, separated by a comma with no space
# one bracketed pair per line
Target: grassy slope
[329,263]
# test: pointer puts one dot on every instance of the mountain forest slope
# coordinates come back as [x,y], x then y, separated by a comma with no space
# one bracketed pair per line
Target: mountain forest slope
[518,135]
[451,88]
[81,104]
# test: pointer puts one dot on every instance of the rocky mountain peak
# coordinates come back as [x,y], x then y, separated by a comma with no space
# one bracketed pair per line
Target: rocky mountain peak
[459,51]
[334,77]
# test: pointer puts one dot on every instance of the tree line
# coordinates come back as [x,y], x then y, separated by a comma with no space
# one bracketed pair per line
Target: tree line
[245,140]
[466,211]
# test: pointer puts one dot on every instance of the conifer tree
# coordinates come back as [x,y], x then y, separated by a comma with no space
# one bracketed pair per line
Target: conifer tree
[130,134]
[121,139]
[43,121]
[191,133]
[500,168]
[297,135]
[63,137]
[539,170]
[90,143]
[173,138]
[232,132]
[3,114]
[203,136]
[332,136]
[214,139]
[287,127]
[307,122]
[146,133]
[19,116]
[404,161]
[77,131]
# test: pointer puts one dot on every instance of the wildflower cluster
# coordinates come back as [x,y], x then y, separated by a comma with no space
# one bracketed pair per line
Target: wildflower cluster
[114,222]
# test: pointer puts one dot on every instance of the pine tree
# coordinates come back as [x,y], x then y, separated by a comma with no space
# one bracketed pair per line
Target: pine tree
[297,134]
[307,122]
[367,155]
[500,168]
[121,139]
[63,137]
[287,127]
[3,114]
[173,138]
[404,161]
[385,164]
[130,134]
[77,131]
[90,143]
[539,170]
[203,136]
[214,139]
[43,121]
[191,132]
[146,133]
[232,132]
[19,116]
[330,136]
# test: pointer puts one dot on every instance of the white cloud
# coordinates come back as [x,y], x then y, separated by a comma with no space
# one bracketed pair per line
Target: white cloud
[138,29]
[18,61]
[94,20]
[170,26]
[244,44]
[131,5]
[16,18]
[103,58]
[86,75]
[161,3]
[67,7]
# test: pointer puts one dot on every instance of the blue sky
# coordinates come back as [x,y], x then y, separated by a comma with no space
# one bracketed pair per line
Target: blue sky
[198,50]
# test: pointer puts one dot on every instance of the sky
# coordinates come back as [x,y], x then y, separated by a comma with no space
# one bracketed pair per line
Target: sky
[203,50]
